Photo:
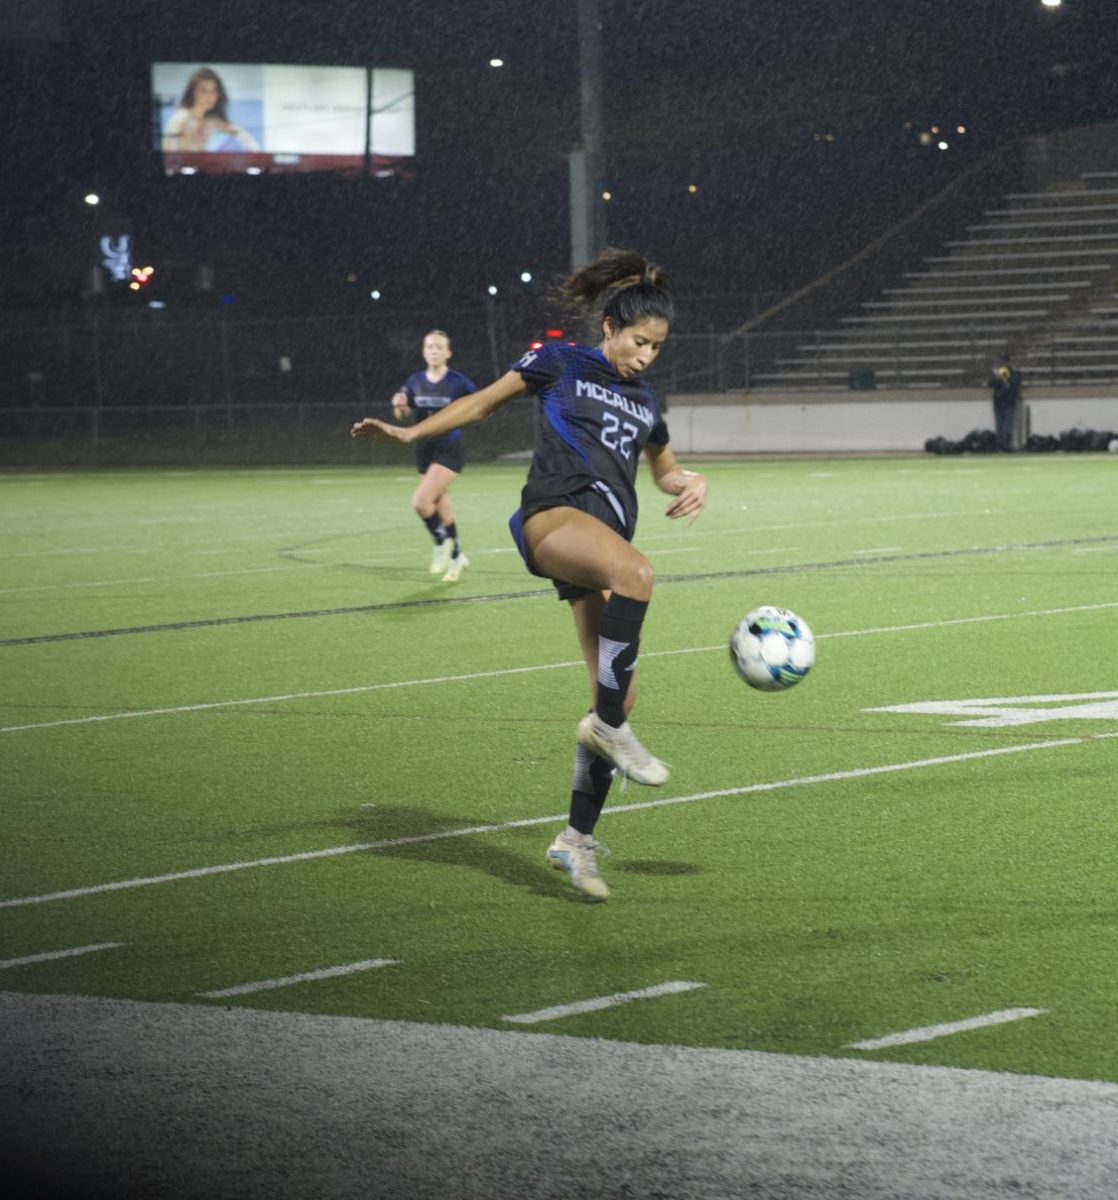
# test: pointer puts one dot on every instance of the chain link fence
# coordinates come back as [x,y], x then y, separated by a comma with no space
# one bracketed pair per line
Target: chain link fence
[149,386]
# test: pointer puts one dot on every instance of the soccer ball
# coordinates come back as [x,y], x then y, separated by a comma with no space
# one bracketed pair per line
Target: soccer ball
[772,649]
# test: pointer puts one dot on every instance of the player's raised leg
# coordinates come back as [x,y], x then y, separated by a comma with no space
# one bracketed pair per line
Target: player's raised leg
[578,548]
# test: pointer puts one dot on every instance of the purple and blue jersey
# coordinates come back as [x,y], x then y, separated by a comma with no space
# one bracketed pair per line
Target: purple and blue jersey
[593,425]
[426,397]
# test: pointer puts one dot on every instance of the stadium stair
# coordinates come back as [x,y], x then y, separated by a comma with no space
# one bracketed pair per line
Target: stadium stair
[1037,275]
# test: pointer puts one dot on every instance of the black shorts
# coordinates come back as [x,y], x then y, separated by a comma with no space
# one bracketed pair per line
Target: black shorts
[588,500]
[447,452]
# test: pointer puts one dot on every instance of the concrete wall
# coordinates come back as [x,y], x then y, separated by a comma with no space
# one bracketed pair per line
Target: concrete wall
[813,422]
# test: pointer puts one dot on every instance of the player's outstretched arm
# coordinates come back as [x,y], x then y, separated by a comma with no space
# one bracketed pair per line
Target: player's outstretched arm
[688,487]
[467,410]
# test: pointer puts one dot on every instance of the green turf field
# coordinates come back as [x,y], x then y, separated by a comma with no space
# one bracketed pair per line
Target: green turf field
[247,737]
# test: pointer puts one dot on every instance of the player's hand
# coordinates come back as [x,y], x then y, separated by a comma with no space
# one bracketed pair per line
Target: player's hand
[372,427]
[691,501]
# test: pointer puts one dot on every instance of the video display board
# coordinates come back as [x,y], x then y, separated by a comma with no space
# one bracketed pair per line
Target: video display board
[228,118]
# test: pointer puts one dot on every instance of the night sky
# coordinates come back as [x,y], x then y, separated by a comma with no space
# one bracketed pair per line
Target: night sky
[797,122]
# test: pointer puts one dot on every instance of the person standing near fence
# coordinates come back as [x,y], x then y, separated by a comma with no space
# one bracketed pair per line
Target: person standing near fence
[439,459]
[1005,384]
[578,513]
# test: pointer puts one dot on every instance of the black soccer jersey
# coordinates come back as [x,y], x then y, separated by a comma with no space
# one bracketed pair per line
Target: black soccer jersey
[593,425]
[426,397]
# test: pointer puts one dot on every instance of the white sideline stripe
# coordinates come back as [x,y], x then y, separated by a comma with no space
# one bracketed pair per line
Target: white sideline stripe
[599,1002]
[95,583]
[371,561]
[503,671]
[50,955]
[928,1033]
[264,985]
[1039,612]
[524,822]
[721,531]
[349,691]
[288,566]
[397,556]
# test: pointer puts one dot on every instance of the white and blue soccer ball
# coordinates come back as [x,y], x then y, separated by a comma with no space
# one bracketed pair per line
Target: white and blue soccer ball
[772,649]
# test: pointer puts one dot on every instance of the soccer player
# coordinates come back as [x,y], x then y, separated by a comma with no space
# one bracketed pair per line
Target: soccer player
[440,460]
[578,513]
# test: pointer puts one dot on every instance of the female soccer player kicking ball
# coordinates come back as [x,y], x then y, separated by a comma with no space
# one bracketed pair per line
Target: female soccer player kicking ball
[578,513]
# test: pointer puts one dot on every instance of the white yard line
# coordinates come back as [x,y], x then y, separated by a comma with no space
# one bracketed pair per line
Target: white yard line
[1037,612]
[707,531]
[500,826]
[51,955]
[928,1033]
[349,691]
[99,583]
[887,518]
[720,648]
[599,1002]
[291,565]
[266,985]
[146,548]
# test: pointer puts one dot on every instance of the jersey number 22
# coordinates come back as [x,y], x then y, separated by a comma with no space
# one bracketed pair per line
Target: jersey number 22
[617,434]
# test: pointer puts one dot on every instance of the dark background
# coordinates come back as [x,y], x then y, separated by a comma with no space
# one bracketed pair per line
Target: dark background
[736,98]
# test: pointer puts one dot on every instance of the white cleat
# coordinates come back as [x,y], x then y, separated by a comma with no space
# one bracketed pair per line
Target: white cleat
[440,556]
[620,747]
[580,862]
[454,569]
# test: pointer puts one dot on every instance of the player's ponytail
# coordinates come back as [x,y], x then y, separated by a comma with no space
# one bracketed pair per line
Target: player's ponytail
[629,287]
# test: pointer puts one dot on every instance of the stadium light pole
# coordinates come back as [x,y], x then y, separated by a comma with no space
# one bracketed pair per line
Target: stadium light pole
[588,218]
[491,328]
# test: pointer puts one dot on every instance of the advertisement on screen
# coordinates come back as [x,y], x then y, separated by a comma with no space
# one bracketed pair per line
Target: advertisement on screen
[227,118]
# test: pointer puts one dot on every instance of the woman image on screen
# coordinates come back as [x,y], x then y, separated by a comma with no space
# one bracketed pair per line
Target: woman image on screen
[201,112]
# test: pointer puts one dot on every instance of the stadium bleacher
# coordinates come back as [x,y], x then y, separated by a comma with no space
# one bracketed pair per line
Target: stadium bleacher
[1037,275]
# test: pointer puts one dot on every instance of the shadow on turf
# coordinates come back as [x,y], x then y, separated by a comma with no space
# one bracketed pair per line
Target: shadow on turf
[651,866]
[476,852]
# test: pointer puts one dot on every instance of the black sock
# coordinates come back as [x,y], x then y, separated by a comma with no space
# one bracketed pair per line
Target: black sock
[452,532]
[619,636]
[434,528]
[589,788]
